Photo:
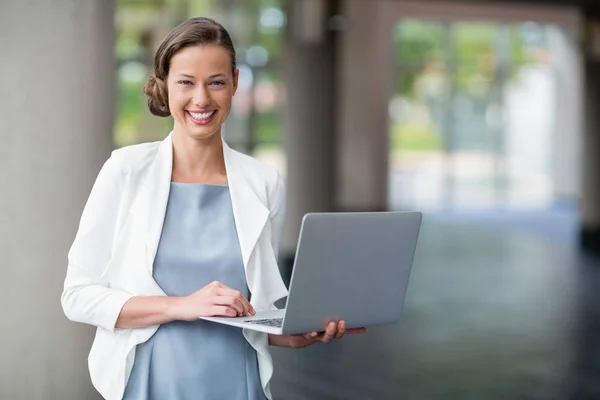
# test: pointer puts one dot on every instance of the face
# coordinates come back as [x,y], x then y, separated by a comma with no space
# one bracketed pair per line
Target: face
[201,86]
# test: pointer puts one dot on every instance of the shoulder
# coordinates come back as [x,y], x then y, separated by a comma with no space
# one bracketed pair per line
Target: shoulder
[256,169]
[135,157]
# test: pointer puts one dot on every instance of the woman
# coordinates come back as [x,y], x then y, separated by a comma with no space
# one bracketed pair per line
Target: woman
[180,229]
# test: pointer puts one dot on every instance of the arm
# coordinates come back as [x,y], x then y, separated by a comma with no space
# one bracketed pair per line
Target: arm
[214,299]
[86,296]
[279,340]
[142,311]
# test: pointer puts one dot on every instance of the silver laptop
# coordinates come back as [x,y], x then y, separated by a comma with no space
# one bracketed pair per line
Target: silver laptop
[350,266]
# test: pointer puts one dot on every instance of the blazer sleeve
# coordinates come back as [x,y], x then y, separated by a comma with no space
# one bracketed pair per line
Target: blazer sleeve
[86,295]
[278,204]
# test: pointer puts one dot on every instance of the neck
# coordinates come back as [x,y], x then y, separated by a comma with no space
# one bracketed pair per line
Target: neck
[198,160]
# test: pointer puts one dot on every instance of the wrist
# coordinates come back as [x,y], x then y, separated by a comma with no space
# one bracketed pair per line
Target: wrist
[173,308]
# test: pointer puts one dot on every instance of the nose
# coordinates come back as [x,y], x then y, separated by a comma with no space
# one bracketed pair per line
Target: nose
[201,96]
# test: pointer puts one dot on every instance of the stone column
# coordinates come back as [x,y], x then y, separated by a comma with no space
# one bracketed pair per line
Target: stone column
[365,81]
[590,190]
[56,122]
[309,114]
[569,104]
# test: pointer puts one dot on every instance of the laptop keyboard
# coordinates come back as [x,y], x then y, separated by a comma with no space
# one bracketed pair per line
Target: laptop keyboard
[276,322]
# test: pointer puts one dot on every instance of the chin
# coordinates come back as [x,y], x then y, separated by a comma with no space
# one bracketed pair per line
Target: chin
[203,133]
[198,132]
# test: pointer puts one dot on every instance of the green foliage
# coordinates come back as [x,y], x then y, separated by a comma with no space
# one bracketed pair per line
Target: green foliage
[472,48]
[415,44]
[268,128]
[474,42]
[414,136]
[416,41]
[128,113]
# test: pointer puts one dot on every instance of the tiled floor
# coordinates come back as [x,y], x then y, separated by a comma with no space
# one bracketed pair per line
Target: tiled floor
[498,307]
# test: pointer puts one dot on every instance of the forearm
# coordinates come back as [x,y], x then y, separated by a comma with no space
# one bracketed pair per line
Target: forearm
[279,340]
[143,311]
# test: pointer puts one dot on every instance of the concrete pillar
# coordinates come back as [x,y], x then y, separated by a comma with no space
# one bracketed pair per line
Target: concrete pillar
[56,121]
[365,82]
[590,196]
[309,114]
[568,128]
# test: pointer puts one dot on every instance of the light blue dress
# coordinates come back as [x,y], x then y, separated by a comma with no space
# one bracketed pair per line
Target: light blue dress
[196,360]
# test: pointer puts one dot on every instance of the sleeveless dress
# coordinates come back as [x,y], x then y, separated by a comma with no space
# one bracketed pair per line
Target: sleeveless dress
[200,359]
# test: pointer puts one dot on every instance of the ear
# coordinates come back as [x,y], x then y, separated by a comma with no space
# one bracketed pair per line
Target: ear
[236,77]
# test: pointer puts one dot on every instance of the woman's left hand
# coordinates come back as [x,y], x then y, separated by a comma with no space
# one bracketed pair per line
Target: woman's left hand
[332,331]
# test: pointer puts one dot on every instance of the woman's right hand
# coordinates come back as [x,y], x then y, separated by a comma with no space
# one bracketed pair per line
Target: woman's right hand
[213,300]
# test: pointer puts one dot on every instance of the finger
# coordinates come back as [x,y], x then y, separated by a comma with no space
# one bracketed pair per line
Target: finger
[312,337]
[241,305]
[354,331]
[329,332]
[245,310]
[231,302]
[246,306]
[223,290]
[224,311]
[341,329]
[235,299]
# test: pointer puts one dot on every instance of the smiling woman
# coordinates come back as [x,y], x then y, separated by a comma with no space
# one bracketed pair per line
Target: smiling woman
[178,230]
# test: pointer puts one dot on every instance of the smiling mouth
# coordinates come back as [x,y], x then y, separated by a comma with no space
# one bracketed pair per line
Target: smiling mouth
[201,118]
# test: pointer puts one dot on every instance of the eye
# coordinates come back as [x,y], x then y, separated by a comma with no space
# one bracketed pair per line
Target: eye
[184,82]
[218,83]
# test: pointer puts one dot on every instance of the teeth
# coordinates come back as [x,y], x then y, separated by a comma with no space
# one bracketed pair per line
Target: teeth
[201,115]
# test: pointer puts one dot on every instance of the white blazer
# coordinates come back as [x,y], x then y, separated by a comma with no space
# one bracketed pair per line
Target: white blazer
[112,257]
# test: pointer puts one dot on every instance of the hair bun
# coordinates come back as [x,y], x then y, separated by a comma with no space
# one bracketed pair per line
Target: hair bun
[158,102]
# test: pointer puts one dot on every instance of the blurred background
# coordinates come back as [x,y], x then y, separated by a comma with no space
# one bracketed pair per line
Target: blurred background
[483,115]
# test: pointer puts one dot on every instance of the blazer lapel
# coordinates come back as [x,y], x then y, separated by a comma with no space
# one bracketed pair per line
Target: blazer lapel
[249,211]
[150,205]
[248,197]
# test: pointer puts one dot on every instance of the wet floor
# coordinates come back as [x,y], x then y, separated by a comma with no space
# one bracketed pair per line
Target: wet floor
[498,307]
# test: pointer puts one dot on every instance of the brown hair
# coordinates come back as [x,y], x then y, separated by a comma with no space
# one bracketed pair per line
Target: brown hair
[193,32]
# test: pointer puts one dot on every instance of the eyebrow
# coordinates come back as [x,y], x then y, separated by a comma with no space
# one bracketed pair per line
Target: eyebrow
[210,77]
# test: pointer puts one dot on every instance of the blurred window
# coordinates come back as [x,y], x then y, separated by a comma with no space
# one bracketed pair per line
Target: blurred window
[473,115]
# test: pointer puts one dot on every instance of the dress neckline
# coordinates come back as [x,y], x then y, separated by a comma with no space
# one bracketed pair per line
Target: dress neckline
[198,184]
